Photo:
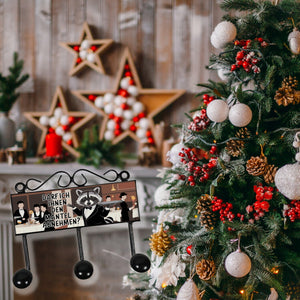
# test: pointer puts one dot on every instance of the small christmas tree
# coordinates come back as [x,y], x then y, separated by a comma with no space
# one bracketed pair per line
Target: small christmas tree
[230,203]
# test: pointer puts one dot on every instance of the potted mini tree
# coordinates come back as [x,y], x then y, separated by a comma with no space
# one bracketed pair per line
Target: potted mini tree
[8,96]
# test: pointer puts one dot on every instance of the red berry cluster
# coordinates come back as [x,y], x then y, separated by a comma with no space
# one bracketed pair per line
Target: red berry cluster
[246,44]
[200,121]
[225,210]
[207,99]
[293,212]
[261,205]
[197,172]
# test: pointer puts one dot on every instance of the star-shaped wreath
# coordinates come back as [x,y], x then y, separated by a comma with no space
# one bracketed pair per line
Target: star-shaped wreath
[61,121]
[87,51]
[128,109]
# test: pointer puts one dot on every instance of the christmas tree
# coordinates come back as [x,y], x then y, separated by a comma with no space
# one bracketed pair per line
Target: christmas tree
[229,210]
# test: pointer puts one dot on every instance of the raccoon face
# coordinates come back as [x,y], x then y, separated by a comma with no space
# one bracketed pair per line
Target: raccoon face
[88,198]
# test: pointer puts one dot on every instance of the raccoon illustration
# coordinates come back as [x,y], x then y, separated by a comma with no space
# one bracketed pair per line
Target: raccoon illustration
[91,211]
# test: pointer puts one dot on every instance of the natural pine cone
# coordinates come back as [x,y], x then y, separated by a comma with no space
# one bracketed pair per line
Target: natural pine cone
[160,242]
[207,219]
[205,269]
[270,172]
[287,93]
[234,147]
[256,165]
[293,289]
[243,133]
[204,203]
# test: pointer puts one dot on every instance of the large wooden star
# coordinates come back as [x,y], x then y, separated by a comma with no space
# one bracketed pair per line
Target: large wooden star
[128,104]
[67,122]
[87,51]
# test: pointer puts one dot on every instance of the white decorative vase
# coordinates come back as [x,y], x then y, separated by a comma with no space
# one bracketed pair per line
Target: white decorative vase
[7,131]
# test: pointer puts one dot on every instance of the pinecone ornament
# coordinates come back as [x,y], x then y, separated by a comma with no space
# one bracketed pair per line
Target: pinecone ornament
[293,290]
[243,133]
[160,242]
[204,203]
[269,174]
[234,147]
[207,219]
[256,165]
[287,93]
[205,269]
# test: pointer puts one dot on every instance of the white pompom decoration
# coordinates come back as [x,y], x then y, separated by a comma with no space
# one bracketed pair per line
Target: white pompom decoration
[131,101]
[83,54]
[162,195]
[53,122]
[287,180]
[108,97]
[109,108]
[128,114]
[217,111]
[118,112]
[238,264]
[85,44]
[59,131]
[141,133]
[133,90]
[67,136]
[58,112]
[99,102]
[223,33]
[173,154]
[119,100]
[111,125]
[188,291]
[240,115]
[90,57]
[223,74]
[64,120]
[138,107]
[44,120]
[144,123]
[124,83]
[109,135]
[294,41]
[125,125]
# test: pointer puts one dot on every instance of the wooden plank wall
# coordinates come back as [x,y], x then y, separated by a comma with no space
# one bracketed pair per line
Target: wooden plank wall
[169,40]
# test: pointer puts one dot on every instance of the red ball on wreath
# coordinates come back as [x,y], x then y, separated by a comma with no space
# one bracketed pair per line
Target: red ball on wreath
[123,93]
[72,120]
[78,60]
[76,48]
[93,48]
[132,128]
[128,74]
[92,97]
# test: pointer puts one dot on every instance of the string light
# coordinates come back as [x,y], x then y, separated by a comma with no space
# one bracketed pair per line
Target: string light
[163,285]
[242,292]
[275,270]
[196,216]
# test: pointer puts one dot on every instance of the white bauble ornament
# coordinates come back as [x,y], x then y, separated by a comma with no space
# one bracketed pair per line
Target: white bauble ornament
[124,83]
[58,112]
[90,57]
[131,101]
[133,90]
[85,44]
[216,42]
[119,100]
[217,111]
[53,122]
[240,115]
[138,107]
[109,108]
[67,136]
[225,32]
[173,154]
[59,131]
[108,97]
[109,135]
[294,41]
[141,133]
[223,74]
[144,123]
[238,264]
[287,180]
[64,120]
[111,124]
[128,114]
[188,291]
[118,112]
[44,120]
[99,102]
[83,54]
[125,125]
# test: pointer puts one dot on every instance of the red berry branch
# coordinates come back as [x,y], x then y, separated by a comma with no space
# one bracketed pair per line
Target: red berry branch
[293,211]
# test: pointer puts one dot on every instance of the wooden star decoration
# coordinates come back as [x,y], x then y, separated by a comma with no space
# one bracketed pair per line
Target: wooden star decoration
[128,109]
[87,51]
[60,120]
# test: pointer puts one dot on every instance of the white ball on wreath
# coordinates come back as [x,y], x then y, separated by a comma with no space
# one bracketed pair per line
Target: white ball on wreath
[58,112]
[138,107]
[131,101]
[64,120]
[119,112]
[217,111]
[125,125]
[238,264]
[90,57]
[59,131]
[109,108]
[85,44]
[83,54]
[294,41]
[44,120]
[133,90]
[99,102]
[141,133]
[111,124]
[128,114]
[53,122]
[124,83]
[287,180]
[173,154]
[240,115]
[67,136]
[109,135]
[108,97]
[119,100]
[225,32]
[144,123]
[223,74]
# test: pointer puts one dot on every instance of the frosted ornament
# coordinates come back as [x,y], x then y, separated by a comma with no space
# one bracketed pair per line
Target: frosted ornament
[99,102]
[58,112]
[118,112]
[144,123]
[59,131]
[294,41]
[109,135]
[108,97]
[217,111]
[133,90]
[216,42]
[90,57]
[44,120]
[124,83]
[128,114]
[138,107]
[67,136]
[141,133]
[53,122]
[173,154]
[111,125]
[225,32]
[125,125]
[223,74]
[64,120]
[188,291]
[131,101]
[238,264]
[109,108]
[85,44]
[240,115]
[83,54]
